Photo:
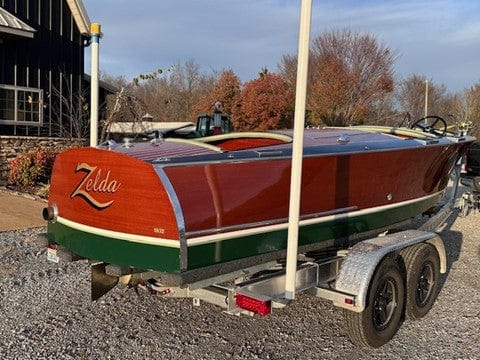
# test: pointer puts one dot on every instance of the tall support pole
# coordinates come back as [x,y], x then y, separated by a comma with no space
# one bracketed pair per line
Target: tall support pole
[426,98]
[95,34]
[297,151]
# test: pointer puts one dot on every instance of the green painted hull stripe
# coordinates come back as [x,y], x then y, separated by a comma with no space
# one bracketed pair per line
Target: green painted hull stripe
[115,251]
[167,259]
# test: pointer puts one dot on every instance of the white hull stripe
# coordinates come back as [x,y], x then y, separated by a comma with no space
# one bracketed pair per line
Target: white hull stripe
[201,240]
[142,239]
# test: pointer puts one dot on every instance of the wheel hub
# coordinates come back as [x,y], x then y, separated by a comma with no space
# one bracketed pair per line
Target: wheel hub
[424,285]
[385,304]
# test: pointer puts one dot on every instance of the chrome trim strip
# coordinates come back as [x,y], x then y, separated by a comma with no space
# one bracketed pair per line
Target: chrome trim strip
[224,229]
[427,141]
[201,240]
[177,208]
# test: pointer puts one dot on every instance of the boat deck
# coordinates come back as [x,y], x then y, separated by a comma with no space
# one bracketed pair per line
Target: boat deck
[244,145]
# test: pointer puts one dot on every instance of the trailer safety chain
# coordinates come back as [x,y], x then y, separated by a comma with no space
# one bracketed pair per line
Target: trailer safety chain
[152,287]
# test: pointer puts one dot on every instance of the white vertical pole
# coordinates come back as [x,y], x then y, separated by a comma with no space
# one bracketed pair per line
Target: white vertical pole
[297,148]
[426,98]
[95,34]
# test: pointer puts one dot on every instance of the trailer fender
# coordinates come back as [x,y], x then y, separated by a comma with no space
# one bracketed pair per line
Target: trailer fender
[442,254]
[361,262]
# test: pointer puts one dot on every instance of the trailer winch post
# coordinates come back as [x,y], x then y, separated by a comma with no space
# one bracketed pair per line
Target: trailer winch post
[297,148]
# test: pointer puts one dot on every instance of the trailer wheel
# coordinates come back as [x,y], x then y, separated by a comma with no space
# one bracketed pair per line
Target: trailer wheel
[422,266]
[379,322]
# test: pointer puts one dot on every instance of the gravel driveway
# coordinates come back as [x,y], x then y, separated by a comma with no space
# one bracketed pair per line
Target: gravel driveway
[46,313]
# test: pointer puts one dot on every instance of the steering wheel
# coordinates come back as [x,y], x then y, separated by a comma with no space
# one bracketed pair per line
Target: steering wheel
[432,129]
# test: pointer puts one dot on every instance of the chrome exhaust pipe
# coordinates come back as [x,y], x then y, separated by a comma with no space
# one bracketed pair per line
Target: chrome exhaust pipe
[50,213]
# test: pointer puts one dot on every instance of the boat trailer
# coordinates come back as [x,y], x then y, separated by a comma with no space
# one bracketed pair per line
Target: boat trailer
[385,276]
[470,199]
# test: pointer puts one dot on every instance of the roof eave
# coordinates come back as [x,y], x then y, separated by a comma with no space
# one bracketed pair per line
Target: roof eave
[18,32]
[10,24]
[80,16]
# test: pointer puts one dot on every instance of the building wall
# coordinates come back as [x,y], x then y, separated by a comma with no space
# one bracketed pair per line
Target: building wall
[52,61]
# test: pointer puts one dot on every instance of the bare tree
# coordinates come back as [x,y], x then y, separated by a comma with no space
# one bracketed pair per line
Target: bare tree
[171,95]
[466,108]
[121,107]
[186,86]
[410,96]
[472,108]
[72,110]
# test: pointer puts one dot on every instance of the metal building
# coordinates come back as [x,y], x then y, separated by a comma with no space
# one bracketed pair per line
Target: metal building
[42,88]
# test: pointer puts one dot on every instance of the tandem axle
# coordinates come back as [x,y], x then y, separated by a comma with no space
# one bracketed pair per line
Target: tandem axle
[378,281]
[385,277]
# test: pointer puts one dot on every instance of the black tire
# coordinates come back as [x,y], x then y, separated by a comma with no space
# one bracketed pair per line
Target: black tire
[382,316]
[422,267]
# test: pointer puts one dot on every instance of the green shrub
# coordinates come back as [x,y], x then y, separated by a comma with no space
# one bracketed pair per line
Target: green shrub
[32,167]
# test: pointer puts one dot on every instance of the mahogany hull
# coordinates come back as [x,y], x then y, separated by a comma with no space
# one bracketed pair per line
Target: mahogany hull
[180,215]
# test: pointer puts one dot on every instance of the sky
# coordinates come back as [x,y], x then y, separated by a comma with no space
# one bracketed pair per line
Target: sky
[439,39]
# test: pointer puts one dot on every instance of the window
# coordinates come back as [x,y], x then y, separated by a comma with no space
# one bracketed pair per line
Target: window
[21,105]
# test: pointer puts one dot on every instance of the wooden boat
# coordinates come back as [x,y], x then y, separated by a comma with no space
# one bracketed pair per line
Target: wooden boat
[190,207]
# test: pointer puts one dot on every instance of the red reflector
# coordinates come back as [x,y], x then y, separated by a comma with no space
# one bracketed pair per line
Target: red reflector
[349,301]
[260,307]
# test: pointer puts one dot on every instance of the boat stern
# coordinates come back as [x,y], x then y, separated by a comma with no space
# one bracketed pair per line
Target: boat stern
[113,208]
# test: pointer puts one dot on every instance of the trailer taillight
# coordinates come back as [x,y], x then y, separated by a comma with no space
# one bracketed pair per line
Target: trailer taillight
[255,305]
[349,301]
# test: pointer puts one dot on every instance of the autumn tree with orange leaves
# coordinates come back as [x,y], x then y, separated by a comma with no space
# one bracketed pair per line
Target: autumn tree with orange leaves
[264,103]
[350,74]
[227,90]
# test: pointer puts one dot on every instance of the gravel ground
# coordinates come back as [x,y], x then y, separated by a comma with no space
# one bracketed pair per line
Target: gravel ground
[46,313]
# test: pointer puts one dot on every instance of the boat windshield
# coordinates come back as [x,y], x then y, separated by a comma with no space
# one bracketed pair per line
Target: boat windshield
[402,132]
[244,140]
